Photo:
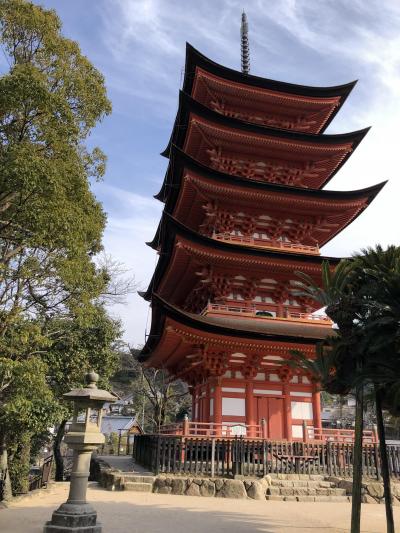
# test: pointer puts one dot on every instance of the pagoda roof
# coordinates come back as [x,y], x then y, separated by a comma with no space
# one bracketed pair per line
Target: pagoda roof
[181,245]
[188,182]
[170,325]
[228,82]
[198,131]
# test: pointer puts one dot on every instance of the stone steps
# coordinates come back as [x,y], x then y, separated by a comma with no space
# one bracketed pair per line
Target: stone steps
[133,478]
[305,488]
[304,491]
[294,477]
[307,498]
[302,483]
[138,487]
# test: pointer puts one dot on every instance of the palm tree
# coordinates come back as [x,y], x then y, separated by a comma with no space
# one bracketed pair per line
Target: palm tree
[377,273]
[363,297]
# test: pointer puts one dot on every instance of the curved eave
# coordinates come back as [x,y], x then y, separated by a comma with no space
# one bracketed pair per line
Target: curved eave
[154,243]
[188,105]
[170,228]
[195,59]
[180,161]
[162,310]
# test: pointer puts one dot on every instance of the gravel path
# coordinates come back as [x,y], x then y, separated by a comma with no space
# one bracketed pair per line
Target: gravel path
[130,512]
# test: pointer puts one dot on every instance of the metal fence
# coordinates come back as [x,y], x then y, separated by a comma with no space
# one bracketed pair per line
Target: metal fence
[258,457]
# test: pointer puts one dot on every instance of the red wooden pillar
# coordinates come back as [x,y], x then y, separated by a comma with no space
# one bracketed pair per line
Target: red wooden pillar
[316,404]
[206,405]
[218,407]
[287,407]
[250,409]
[193,393]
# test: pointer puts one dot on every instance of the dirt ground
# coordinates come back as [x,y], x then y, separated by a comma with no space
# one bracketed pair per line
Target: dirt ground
[131,512]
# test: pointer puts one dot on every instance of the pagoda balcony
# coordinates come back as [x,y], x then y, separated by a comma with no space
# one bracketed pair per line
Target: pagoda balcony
[267,243]
[220,310]
[229,430]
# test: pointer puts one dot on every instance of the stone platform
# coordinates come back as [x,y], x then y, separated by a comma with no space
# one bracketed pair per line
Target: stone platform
[274,487]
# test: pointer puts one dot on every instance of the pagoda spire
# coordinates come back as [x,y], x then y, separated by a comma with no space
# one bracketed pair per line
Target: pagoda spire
[245,51]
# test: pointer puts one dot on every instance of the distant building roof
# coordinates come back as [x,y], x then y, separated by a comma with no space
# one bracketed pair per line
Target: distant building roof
[113,424]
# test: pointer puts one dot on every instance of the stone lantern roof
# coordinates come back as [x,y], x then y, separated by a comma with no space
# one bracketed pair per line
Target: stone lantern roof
[91,392]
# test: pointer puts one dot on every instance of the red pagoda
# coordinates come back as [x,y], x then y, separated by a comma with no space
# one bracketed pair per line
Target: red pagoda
[244,210]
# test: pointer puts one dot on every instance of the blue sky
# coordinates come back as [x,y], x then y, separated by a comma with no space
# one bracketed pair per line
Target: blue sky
[139,46]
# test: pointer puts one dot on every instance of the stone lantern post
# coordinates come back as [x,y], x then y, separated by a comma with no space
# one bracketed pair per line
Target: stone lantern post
[77,515]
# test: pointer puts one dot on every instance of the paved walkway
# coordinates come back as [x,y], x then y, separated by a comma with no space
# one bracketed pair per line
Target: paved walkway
[125,464]
[130,512]
[122,462]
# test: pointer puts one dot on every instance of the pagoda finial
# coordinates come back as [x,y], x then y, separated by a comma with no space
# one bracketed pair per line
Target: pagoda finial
[244,34]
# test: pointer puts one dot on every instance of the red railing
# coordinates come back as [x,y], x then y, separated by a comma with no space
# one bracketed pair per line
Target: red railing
[212,429]
[259,431]
[340,435]
[267,243]
[251,311]
[307,316]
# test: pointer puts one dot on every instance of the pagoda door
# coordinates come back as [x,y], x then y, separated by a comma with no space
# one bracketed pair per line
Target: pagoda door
[272,409]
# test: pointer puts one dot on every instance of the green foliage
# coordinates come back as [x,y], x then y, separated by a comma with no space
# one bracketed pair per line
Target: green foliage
[52,327]
[27,403]
[80,346]
[51,224]
[362,296]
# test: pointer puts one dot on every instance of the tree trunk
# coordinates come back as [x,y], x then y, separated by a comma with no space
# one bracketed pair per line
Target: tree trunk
[58,458]
[20,464]
[4,472]
[384,462]
[357,461]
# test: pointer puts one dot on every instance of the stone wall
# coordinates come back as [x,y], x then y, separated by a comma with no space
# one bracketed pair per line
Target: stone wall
[220,488]
[372,490]
[287,487]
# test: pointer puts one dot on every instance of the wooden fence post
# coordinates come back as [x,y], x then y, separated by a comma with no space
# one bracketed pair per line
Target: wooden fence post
[119,440]
[329,458]
[157,465]
[212,457]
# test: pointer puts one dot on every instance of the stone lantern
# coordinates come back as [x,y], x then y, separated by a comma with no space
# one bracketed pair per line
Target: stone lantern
[83,437]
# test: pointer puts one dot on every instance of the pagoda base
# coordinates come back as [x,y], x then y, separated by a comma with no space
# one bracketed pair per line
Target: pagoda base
[73,518]
[267,407]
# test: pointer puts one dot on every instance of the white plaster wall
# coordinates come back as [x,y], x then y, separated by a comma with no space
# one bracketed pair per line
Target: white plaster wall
[233,407]
[302,410]
[297,432]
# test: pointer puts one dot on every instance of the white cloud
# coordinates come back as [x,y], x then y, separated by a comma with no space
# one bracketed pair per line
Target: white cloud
[127,198]
[132,221]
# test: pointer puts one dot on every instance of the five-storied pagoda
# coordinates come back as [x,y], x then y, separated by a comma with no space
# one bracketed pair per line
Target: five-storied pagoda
[244,210]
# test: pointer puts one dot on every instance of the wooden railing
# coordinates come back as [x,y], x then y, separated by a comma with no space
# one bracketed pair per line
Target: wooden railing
[188,428]
[256,457]
[339,435]
[252,311]
[267,243]
[291,315]
[204,429]
[41,480]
